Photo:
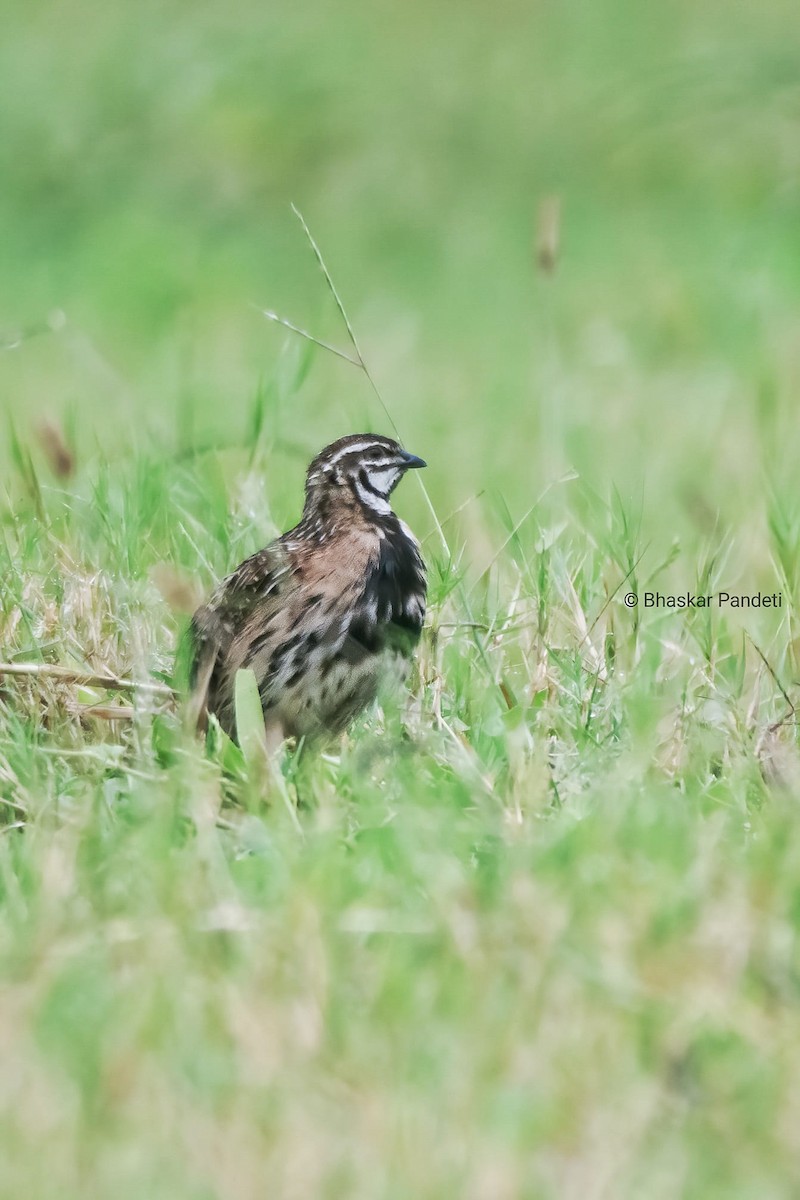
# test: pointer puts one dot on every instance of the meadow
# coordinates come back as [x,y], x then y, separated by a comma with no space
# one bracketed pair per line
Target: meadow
[534,934]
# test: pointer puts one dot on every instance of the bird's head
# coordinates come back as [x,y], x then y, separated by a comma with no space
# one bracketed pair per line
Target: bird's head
[364,464]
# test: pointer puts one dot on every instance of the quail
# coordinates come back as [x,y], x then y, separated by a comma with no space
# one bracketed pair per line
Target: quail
[325,614]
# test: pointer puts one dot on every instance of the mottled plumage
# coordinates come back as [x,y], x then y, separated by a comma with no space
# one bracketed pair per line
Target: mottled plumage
[327,612]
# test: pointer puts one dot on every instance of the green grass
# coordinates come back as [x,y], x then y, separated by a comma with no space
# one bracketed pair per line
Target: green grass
[536,934]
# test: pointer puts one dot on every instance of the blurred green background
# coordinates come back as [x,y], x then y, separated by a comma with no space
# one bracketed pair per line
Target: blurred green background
[150,154]
[548,945]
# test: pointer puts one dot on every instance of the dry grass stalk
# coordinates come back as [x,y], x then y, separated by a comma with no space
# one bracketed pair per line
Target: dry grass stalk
[54,445]
[86,678]
[548,233]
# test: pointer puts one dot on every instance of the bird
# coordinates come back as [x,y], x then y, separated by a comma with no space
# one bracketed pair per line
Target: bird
[326,615]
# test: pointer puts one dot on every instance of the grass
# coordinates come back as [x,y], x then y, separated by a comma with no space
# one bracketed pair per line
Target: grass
[536,934]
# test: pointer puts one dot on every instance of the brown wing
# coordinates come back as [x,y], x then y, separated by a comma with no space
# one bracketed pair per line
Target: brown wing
[258,585]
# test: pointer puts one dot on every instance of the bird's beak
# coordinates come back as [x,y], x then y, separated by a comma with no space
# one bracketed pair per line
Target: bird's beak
[410,461]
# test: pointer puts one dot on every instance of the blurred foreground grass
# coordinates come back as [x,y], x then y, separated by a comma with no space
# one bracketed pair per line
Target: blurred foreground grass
[543,943]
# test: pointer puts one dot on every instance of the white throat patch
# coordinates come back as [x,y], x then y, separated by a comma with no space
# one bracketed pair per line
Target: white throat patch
[383,479]
[378,504]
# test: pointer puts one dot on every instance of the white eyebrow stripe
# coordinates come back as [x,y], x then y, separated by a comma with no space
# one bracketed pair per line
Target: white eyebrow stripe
[354,448]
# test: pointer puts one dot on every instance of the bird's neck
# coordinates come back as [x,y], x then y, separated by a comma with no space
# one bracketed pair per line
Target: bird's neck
[344,508]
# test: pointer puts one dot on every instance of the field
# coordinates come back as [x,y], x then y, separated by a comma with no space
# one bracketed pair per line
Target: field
[535,934]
